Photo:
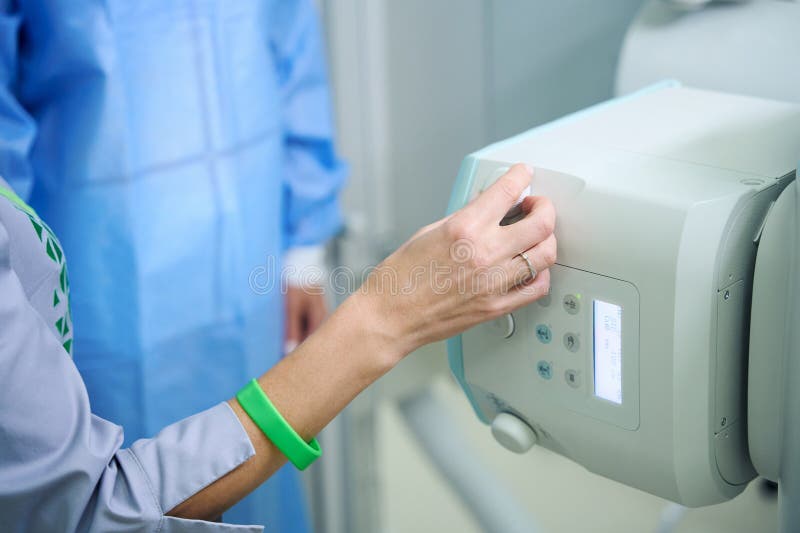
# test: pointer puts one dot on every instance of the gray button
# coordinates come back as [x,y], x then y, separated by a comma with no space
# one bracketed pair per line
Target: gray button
[503,326]
[572,304]
[572,342]
[573,378]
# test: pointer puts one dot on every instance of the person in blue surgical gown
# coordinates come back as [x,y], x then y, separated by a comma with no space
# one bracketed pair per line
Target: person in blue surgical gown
[189,142]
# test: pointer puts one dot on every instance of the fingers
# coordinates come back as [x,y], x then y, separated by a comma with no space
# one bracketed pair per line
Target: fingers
[535,227]
[541,257]
[305,312]
[294,320]
[526,293]
[294,325]
[493,204]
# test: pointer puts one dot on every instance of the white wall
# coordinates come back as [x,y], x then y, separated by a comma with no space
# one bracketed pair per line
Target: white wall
[421,83]
[437,100]
[546,58]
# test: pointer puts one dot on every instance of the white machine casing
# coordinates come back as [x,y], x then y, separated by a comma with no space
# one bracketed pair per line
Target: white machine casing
[661,197]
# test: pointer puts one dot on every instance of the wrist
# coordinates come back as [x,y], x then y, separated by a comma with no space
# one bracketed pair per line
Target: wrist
[377,327]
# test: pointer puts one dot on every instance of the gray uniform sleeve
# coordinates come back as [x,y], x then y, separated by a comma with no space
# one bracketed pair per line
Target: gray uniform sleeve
[62,468]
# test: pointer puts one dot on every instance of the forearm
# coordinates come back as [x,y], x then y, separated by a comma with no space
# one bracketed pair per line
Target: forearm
[432,293]
[309,388]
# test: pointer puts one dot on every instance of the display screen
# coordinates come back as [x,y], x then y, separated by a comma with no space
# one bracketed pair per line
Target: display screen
[608,351]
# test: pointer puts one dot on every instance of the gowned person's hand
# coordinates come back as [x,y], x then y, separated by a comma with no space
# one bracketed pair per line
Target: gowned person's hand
[464,269]
[306,309]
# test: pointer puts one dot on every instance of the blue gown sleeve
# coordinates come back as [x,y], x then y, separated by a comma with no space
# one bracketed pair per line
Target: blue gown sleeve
[313,173]
[63,469]
[17,127]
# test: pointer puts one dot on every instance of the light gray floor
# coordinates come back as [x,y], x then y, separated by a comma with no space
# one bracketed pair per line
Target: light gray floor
[563,496]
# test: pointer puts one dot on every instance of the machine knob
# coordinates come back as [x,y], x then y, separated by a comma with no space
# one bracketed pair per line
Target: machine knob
[503,326]
[512,433]
[515,212]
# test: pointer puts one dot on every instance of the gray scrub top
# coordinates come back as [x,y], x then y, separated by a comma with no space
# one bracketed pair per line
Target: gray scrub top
[61,467]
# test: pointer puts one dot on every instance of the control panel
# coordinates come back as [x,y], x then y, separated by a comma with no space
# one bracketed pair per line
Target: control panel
[576,348]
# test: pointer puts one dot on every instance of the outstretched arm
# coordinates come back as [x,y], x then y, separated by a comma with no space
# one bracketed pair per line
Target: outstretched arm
[63,469]
[433,287]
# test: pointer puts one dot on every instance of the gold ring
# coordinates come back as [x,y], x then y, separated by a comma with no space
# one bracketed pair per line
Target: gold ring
[524,257]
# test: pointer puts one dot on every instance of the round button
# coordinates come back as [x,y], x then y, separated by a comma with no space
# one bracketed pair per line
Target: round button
[503,326]
[573,378]
[545,300]
[544,369]
[544,334]
[572,304]
[571,342]
[512,433]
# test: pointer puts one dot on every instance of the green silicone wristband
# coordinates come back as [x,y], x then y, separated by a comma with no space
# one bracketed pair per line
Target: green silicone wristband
[258,407]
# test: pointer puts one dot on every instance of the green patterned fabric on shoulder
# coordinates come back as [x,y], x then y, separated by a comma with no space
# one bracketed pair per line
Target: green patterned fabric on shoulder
[52,248]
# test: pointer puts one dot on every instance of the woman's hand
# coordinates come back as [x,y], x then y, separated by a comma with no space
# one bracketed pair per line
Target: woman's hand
[453,274]
[464,269]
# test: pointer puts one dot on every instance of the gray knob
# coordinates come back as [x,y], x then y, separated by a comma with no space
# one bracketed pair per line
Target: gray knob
[503,326]
[512,433]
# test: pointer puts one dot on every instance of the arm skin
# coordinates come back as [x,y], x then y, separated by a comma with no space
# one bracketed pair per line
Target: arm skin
[375,328]
[309,388]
